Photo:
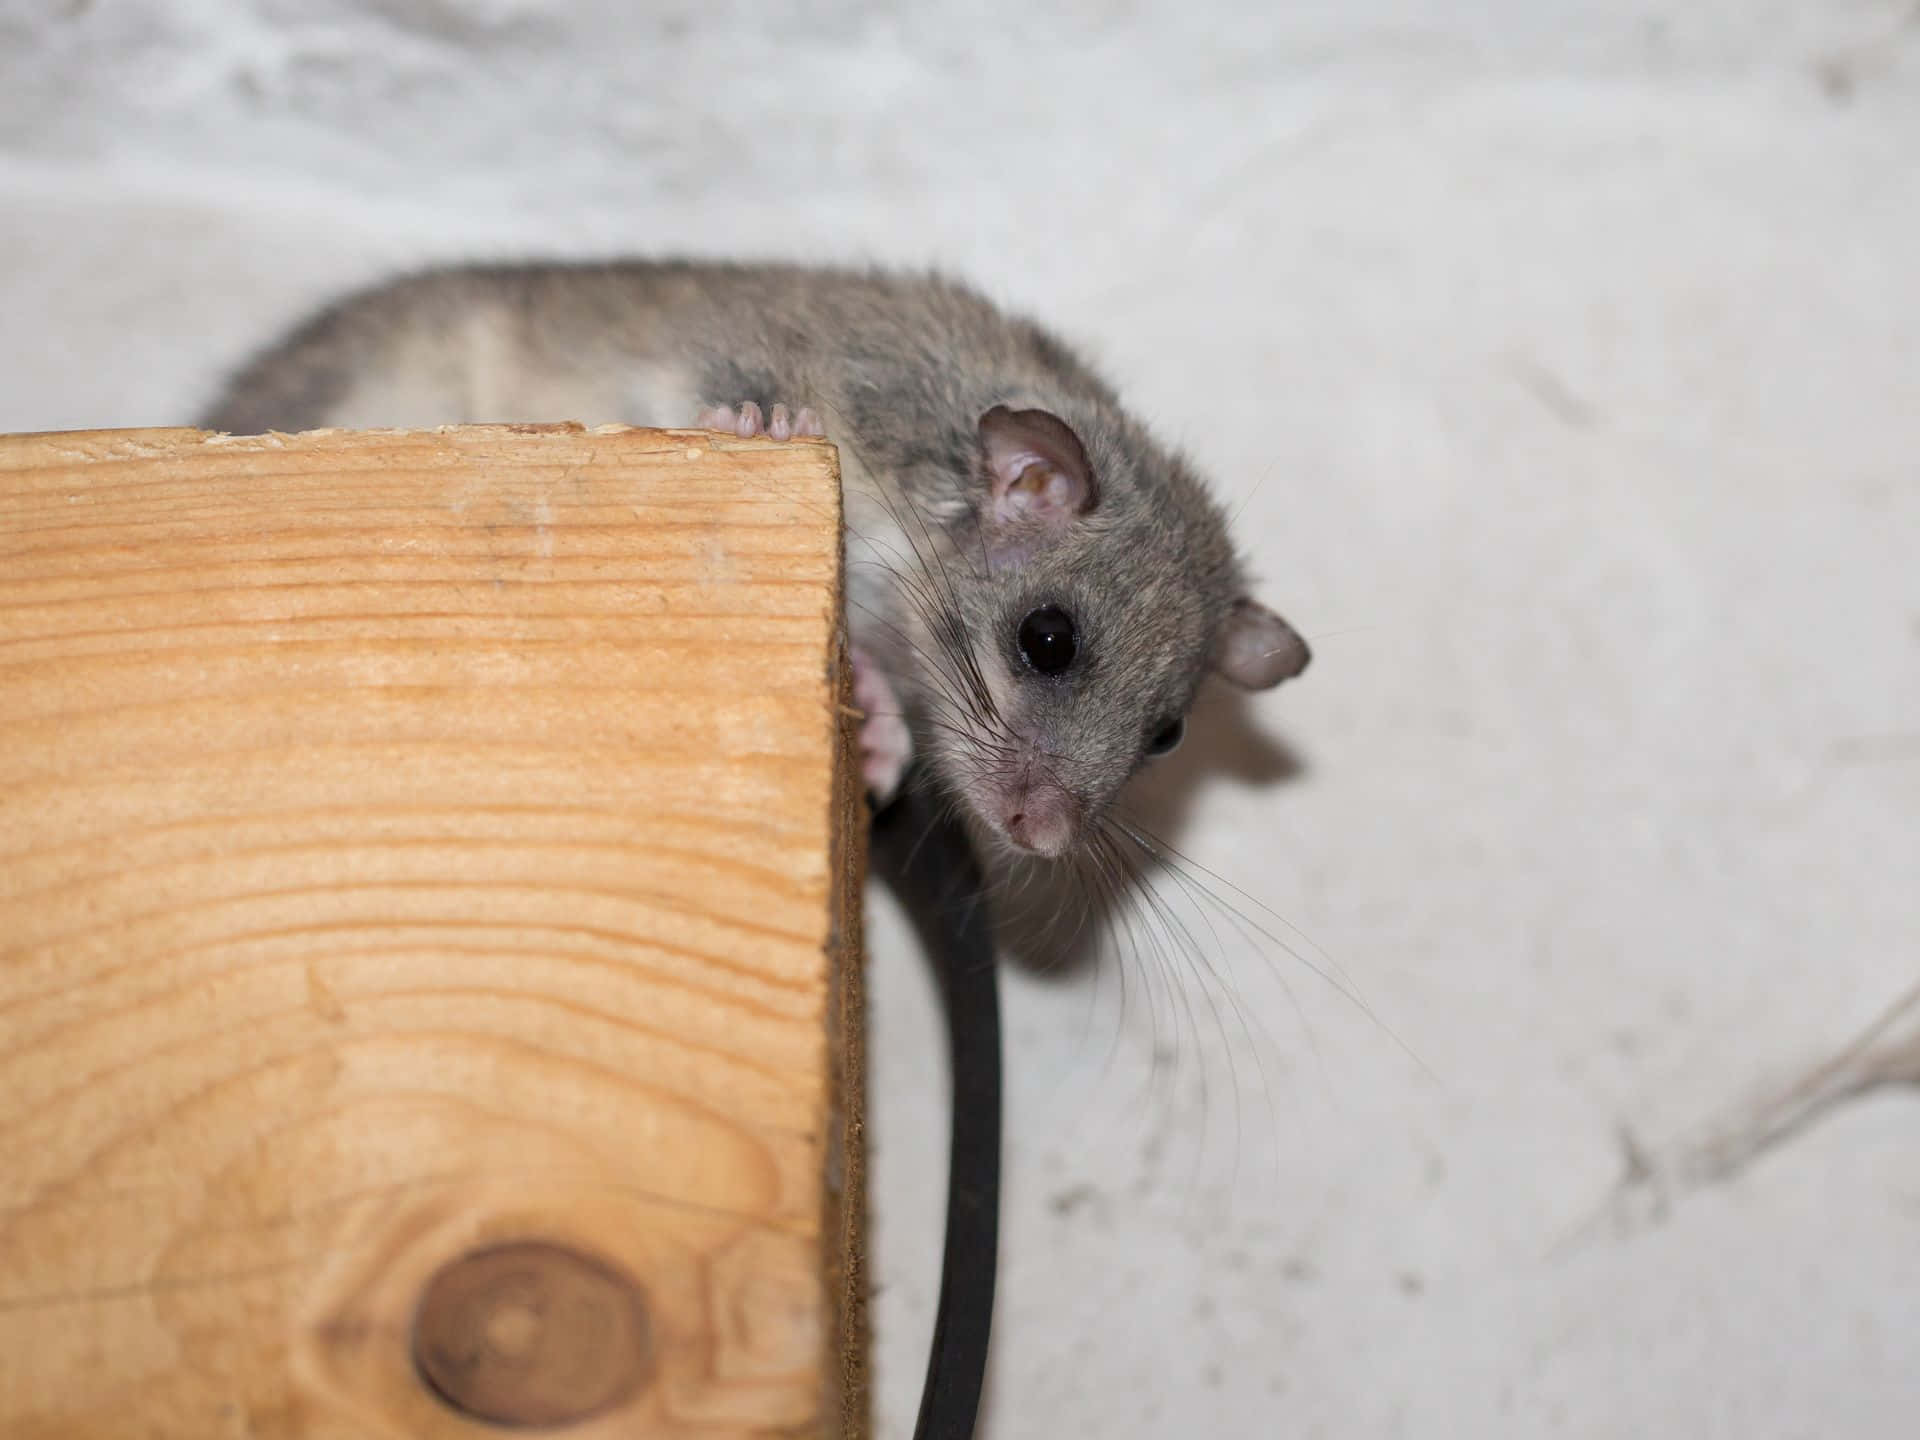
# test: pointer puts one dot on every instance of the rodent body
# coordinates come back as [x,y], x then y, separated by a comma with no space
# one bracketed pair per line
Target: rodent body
[1035,584]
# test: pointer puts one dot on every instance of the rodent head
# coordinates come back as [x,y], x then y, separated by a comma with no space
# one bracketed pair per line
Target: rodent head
[1099,587]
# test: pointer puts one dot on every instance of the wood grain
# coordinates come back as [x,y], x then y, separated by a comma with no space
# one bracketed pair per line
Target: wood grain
[418,845]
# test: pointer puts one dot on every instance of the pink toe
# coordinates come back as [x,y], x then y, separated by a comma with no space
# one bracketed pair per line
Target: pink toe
[780,426]
[886,747]
[750,420]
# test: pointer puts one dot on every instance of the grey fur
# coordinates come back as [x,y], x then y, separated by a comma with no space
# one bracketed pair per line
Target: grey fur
[901,367]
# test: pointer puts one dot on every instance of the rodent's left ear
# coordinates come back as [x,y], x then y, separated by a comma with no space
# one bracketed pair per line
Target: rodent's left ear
[1256,649]
[1037,468]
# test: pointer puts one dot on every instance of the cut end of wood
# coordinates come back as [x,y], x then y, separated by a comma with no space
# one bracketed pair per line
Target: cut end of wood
[428,937]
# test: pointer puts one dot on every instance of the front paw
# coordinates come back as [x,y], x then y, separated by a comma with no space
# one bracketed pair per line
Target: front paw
[886,745]
[746,421]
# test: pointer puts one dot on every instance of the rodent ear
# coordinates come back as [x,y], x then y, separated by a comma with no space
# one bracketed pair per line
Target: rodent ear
[1036,467]
[1256,649]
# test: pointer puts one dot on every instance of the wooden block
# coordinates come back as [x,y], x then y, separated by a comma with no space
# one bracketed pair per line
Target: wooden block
[428,937]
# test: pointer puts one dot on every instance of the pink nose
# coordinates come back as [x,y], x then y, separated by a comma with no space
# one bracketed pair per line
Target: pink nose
[1039,819]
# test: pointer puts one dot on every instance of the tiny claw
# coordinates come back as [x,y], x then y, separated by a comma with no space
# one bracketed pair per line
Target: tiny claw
[747,421]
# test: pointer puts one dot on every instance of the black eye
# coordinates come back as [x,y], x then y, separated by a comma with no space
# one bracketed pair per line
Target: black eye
[1167,738]
[1046,640]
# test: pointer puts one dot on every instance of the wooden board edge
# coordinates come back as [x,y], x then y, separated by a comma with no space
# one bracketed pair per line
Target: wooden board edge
[845,1212]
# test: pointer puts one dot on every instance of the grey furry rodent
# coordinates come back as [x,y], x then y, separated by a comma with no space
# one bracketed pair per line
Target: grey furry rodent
[1035,584]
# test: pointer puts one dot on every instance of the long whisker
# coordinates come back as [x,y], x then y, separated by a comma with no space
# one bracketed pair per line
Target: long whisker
[1329,971]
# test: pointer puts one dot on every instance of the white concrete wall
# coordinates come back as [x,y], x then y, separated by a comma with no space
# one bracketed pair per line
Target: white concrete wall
[1563,356]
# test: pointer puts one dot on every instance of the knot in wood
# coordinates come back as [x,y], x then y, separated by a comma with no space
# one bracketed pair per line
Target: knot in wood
[531,1334]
